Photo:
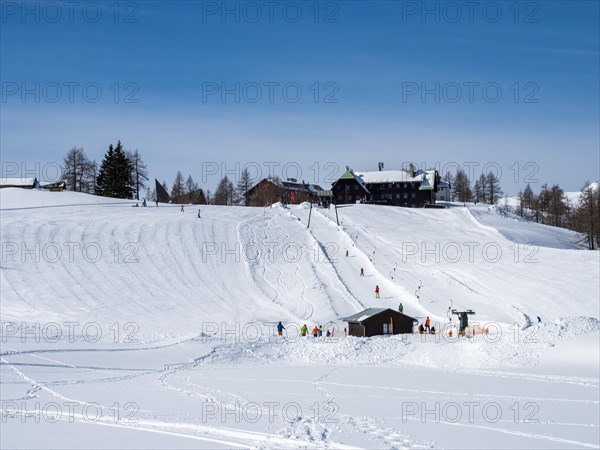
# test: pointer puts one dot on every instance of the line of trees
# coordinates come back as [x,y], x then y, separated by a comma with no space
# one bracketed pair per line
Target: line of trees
[186,190]
[486,188]
[121,174]
[552,207]
[226,193]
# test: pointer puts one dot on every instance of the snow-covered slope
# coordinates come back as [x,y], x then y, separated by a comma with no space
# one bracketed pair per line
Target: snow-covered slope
[179,284]
[76,254]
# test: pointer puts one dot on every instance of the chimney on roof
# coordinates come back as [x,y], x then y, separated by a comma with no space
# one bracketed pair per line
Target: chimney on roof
[380,165]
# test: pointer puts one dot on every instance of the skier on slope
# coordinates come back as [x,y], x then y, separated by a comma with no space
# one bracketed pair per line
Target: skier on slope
[377,291]
[321,331]
[182,207]
[280,329]
[427,324]
[157,203]
[144,203]
[315,331]
[304,330]
[362,272]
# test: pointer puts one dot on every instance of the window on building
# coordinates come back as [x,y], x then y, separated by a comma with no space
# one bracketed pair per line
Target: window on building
[413,195]
[405,195]
[387,328]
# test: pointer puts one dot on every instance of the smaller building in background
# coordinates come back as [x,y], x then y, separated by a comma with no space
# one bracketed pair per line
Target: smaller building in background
[379,321]
[291,191]
[23,183]
[54,186]
[32,183]
[443,191]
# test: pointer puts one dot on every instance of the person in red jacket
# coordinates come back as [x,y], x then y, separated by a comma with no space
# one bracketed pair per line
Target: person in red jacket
[377,291]
[315,331]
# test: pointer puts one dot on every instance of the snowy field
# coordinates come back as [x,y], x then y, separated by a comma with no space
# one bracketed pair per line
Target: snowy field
[127,327]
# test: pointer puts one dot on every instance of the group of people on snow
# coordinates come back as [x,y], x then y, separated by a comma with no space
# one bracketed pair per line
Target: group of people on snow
[317,332]
[427,328]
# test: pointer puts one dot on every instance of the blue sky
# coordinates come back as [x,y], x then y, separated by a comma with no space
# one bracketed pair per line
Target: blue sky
[511,86]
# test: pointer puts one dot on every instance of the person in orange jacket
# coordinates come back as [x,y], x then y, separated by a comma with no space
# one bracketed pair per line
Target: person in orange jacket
[427,324]
[315,331]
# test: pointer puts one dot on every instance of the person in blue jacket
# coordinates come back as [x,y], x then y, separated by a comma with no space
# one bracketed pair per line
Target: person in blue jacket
[280,329]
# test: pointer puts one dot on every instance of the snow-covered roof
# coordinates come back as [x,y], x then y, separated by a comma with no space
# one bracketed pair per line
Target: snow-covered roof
[386,176]
[292,185]
[297,186]
[17,181]
[302,186]
[367,313]
[363,315]
[425,177]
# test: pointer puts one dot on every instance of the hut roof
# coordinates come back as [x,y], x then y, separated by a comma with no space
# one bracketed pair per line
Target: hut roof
[363,315]
[370,312]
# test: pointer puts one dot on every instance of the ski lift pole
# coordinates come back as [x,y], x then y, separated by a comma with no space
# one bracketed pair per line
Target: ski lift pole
[463,318]
[309,214]
[336,215]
